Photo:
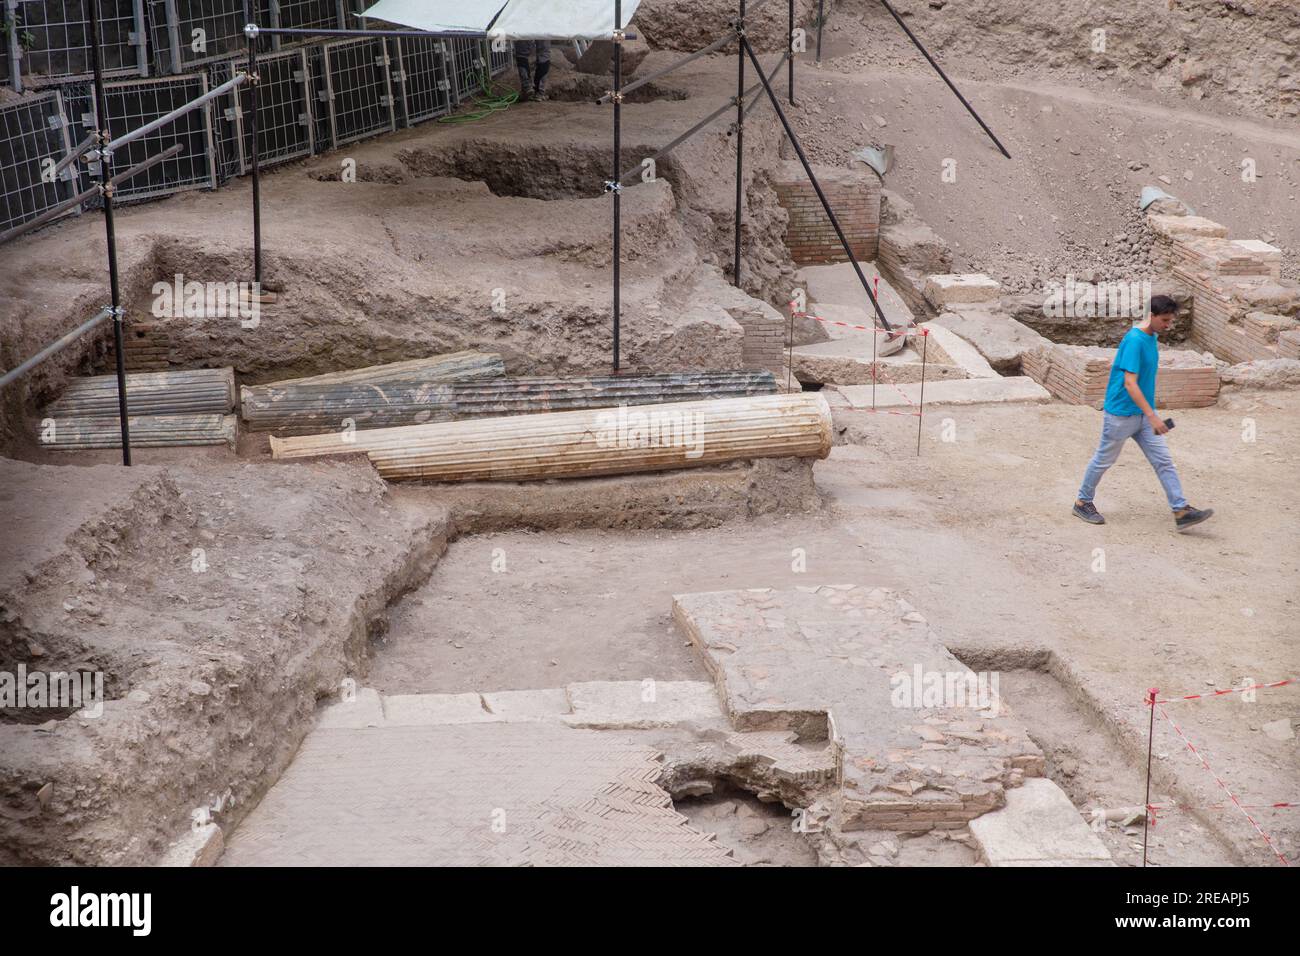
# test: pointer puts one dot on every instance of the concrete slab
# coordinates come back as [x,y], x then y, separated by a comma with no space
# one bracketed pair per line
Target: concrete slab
[609,705]
[971,391]
[365,709]
[959,352]
[529,793]
[1000,339]
[850,362]
[1039,826]
[848,664]
[423,710]
[834,291]
[945,291]
[550,704]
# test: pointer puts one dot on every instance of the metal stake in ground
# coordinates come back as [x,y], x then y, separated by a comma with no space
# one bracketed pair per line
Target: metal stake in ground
[817,187]
[106,188]
[1146,805]
[614,185]
[920,411]
[740,131]
[251,31]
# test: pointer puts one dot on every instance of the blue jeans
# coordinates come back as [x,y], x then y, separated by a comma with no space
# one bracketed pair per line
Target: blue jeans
[1117,429]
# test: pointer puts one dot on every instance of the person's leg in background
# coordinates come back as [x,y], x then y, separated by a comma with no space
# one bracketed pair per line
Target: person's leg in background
[543,50]
[523,50]
[1157,451]
[1115,430]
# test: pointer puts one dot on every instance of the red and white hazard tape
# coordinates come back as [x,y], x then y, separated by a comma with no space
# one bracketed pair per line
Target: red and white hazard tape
[1224,692]
[876,369]
[1223,786]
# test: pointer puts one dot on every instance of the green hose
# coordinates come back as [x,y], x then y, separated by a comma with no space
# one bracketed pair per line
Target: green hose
[490,99]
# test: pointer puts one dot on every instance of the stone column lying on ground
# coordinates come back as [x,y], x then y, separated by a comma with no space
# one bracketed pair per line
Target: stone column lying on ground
[309,409]
[177,392]
[587,443]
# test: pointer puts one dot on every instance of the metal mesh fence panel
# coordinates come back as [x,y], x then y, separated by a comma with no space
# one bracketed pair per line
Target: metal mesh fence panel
[60,38]
[500,60]
[225,123]
[420,76]
[189,32]
[358,90]
[33,138]
[305,14]
[285,123]
[133,103]
[467,67]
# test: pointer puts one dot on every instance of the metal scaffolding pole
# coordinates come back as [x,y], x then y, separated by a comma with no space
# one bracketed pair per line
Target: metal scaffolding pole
[251,31]
[944,76]
[821,18]
[106,187]
[18,371]
[789,46]
[740,133]
[817,188]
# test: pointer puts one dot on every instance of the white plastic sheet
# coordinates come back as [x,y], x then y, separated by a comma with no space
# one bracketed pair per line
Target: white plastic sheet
[518,19]
[439,16]
[561,19]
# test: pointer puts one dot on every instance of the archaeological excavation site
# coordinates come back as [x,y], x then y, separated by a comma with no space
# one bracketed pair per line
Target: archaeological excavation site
[638,434]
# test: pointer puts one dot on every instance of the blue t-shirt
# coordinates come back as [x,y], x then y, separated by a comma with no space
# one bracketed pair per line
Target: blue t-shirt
[1137,353]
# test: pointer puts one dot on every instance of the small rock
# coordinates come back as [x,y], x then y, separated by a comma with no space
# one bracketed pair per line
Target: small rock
[1279,729]
[199,689]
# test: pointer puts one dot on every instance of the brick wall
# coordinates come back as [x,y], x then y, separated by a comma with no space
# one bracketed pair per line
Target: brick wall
[853,194]
[1079,374]
[764,343]
[1243,307]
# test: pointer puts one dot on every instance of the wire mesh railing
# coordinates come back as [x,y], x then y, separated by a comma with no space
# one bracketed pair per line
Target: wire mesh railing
[313,95]
[54,40]
[134,103]
[34,137]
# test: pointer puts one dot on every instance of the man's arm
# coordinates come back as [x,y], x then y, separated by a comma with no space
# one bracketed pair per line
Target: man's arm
[1140,400]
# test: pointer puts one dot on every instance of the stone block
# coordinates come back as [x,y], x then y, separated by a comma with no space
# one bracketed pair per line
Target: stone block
[1039,826]
[365,710]
[422,710]
[610,705]
[954,289]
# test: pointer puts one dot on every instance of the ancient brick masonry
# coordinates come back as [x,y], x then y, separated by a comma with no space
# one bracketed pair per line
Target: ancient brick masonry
[1078,374]
[853,194]
[764,342]
[1243,310]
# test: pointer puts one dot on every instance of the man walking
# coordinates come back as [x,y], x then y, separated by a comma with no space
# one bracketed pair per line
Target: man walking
[532,87]
[1129,412]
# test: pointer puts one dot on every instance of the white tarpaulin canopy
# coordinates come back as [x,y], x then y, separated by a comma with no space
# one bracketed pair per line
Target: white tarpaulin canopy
[513,20]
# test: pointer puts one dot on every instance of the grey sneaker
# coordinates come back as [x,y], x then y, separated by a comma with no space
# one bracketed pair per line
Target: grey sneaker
[1190,516]
[540,96]
[1088,513]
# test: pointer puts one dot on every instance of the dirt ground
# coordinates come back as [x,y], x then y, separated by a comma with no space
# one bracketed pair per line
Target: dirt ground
[1083,145]
[977,534]
[325,573]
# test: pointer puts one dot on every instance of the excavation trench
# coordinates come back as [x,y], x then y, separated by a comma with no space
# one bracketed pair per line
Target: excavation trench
[1101,766]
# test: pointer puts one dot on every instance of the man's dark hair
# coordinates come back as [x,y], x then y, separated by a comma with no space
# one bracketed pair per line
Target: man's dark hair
[1163,305]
